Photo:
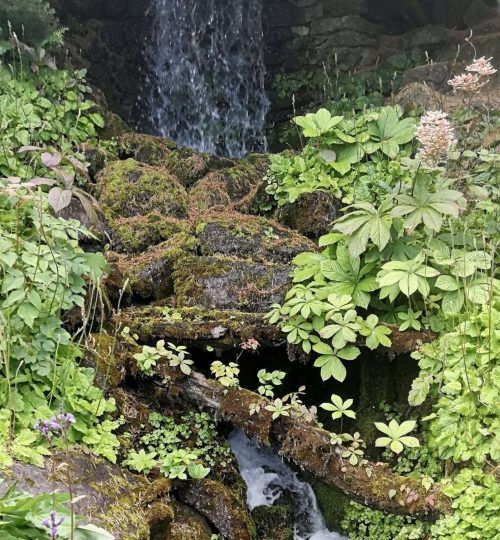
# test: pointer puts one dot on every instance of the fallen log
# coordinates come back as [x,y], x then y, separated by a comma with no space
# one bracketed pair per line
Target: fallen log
[309,447]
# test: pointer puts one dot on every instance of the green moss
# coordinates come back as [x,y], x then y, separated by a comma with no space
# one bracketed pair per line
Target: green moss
[187,165]
[188,270]
[109,361]
[145,148]
[273,522]
[331,502]
[135,234]
[128,188]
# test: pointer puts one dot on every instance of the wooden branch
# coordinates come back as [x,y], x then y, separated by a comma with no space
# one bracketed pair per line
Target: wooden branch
[372,484]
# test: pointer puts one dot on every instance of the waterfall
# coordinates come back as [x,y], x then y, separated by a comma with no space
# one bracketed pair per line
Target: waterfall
[267,477]
[205,87]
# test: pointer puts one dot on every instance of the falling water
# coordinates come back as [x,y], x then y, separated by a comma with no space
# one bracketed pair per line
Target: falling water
[268,477]
[206,88]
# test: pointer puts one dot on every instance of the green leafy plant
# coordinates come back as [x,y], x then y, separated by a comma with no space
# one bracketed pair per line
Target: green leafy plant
[227,375]
[43,273]
[278,408]
[339,408]
[397,435]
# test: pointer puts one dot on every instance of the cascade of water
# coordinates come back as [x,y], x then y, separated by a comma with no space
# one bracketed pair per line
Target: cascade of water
[267,477]
[205,88]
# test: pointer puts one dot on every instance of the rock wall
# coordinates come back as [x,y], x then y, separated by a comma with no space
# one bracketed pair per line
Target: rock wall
[307,33]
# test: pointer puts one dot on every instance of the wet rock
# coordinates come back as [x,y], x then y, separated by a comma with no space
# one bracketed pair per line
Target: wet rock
[187,524]
[108,496]
[129,188]
[198,326]
[251,237]
[311,214]
[222,506]
[225,283]
[273,522]
[136,234]
[479,12]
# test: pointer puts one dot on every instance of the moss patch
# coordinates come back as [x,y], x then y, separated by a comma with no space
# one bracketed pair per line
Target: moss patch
[145,148]
[128,188]
[135,234]
[273,522]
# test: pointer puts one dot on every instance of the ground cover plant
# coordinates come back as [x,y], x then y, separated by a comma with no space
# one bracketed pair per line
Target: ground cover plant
[415,249]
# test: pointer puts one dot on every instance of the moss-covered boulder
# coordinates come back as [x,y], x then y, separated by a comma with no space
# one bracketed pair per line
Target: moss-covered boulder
[231,187]
[311,214]
[255,238]
[150,273]
[108,496]
[129,188]
[145,148]
[273,522]
[226,283]
[224,507]
[136,234]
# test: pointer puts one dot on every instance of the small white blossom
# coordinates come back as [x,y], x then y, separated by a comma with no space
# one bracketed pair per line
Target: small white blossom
[436,135]
[468,82]
[482,66]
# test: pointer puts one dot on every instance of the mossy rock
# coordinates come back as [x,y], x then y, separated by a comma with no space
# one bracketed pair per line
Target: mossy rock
[145,148]
[136,234]
[198,325]
[129,188]
[209,193]
[255,238]
[150,274]
[224,507]
[273,522]
[109,358]
[187,165]
[312,214]
[226,283]
[187,524]
[108,496]
[231,187]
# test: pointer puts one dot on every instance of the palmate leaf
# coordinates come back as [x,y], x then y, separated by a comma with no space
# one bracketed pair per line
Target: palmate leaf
[389,132]
[426,207]
[347,277]
[316,124]
[406,277]
[364,222]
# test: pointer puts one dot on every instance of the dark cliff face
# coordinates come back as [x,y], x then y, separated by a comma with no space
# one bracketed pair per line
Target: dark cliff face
[107,37]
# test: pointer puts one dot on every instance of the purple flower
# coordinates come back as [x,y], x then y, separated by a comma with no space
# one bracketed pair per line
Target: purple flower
[53,523]
[54,424]
[66,418]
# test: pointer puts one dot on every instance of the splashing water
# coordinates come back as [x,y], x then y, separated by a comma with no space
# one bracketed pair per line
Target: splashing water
[267,477]
[206,88]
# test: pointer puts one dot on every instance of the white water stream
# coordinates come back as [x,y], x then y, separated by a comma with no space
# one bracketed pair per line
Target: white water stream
[205,87]
[267,477]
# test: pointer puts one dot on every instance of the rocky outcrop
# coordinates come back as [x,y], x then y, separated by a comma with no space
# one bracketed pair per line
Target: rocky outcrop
[106,495]
[252,237]
[227,283]
[222,506]
[312,214]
